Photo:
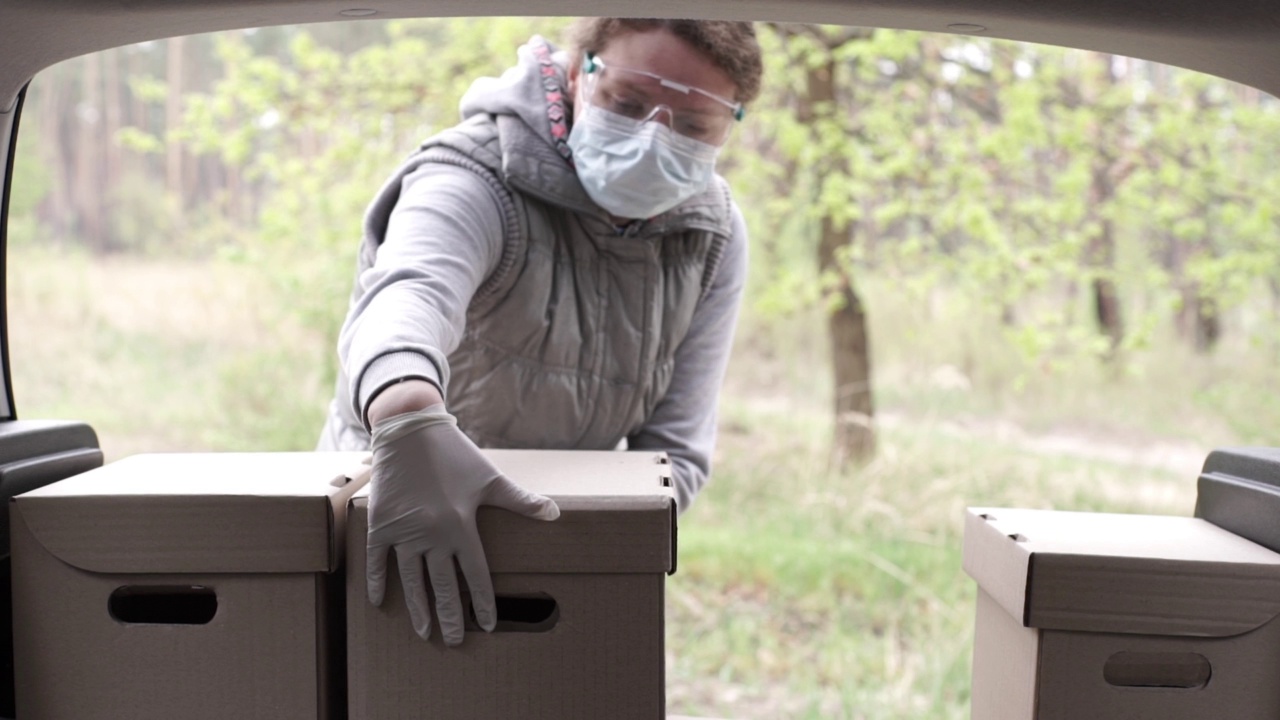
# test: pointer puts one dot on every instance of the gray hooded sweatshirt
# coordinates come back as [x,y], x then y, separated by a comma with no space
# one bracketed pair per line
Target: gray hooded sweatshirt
[487,270]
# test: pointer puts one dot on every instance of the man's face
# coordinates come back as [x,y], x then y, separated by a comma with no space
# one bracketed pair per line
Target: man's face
[661,53]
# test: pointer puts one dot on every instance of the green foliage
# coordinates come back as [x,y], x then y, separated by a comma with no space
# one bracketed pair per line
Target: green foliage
[1019,173]
[962,161]
[140,141]
[148,89]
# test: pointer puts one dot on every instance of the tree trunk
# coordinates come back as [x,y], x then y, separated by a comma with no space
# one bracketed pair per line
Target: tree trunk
[138,116]
[55,211]
[114,117]
[1106,307]
[1198,322]
[854,441]
[88,157]
[1101,250]
[1208,327]
[174,175]
[1106,299]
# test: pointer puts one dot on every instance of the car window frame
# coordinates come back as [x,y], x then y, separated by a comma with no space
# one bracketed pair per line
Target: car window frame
[9,128]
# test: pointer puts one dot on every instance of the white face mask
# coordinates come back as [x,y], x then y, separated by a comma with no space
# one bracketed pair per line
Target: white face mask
[637,169]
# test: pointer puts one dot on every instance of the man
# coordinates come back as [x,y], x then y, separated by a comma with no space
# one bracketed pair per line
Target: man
[560,270]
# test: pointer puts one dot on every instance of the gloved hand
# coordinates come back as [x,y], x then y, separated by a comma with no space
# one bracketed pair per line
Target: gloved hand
[428,480]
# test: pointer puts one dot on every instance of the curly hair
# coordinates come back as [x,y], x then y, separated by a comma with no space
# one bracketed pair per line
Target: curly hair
[731,46]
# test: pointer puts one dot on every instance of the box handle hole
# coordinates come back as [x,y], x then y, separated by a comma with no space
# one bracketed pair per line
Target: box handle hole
[1157,670]
[163,604]
[529,613]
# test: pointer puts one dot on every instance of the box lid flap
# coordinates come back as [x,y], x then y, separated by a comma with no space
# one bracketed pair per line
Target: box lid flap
[205,512]
[1121,573]
[617,513]
[1239,491]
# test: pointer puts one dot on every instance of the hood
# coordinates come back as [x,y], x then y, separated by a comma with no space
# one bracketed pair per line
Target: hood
[530,103]
[525,91]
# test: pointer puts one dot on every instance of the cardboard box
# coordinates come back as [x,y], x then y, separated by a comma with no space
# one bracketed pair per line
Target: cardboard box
[183,586]
[580,630]
[1097,616]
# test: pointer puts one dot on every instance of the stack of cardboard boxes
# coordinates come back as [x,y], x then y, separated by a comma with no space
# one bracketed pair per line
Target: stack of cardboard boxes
[213,587]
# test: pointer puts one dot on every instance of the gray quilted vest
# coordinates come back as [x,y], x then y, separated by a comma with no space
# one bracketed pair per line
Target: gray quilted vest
[570,343]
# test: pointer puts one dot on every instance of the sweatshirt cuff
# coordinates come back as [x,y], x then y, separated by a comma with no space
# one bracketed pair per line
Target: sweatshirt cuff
[390,369]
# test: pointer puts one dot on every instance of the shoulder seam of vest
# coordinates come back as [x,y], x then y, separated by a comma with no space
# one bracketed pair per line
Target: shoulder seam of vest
[510,218]
[718,241]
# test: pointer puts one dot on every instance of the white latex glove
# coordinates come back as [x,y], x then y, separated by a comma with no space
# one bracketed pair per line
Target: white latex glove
[428,480]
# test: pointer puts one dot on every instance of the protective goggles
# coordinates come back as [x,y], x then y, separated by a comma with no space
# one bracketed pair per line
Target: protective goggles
[643,96]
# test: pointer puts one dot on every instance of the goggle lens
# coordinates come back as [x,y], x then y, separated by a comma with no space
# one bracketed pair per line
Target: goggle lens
[642,96]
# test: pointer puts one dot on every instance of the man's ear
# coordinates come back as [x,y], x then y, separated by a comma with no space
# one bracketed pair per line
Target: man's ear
[575,72]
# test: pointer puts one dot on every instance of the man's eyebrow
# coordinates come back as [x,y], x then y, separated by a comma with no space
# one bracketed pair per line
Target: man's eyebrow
[633,86]
[701,105]
[704,107]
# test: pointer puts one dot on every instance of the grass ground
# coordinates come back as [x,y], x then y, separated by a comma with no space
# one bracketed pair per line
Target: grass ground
[803,592]
[162,355]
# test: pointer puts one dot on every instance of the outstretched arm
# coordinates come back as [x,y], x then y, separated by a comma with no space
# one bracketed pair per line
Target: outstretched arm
[444,238]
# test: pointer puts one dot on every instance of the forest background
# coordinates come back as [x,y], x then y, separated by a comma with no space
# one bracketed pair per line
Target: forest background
[983,273]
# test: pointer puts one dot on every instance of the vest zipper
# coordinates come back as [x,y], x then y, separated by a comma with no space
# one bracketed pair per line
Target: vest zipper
[648,341]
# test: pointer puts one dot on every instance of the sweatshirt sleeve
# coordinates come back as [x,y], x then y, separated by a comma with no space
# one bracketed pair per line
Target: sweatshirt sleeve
[444,237]
[684,422]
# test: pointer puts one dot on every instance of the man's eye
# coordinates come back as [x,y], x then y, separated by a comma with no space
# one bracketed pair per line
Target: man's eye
[623,105]
[697,131]
[629,108]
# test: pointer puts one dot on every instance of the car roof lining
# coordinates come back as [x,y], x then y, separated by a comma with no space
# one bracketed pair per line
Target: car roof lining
[1235,39]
